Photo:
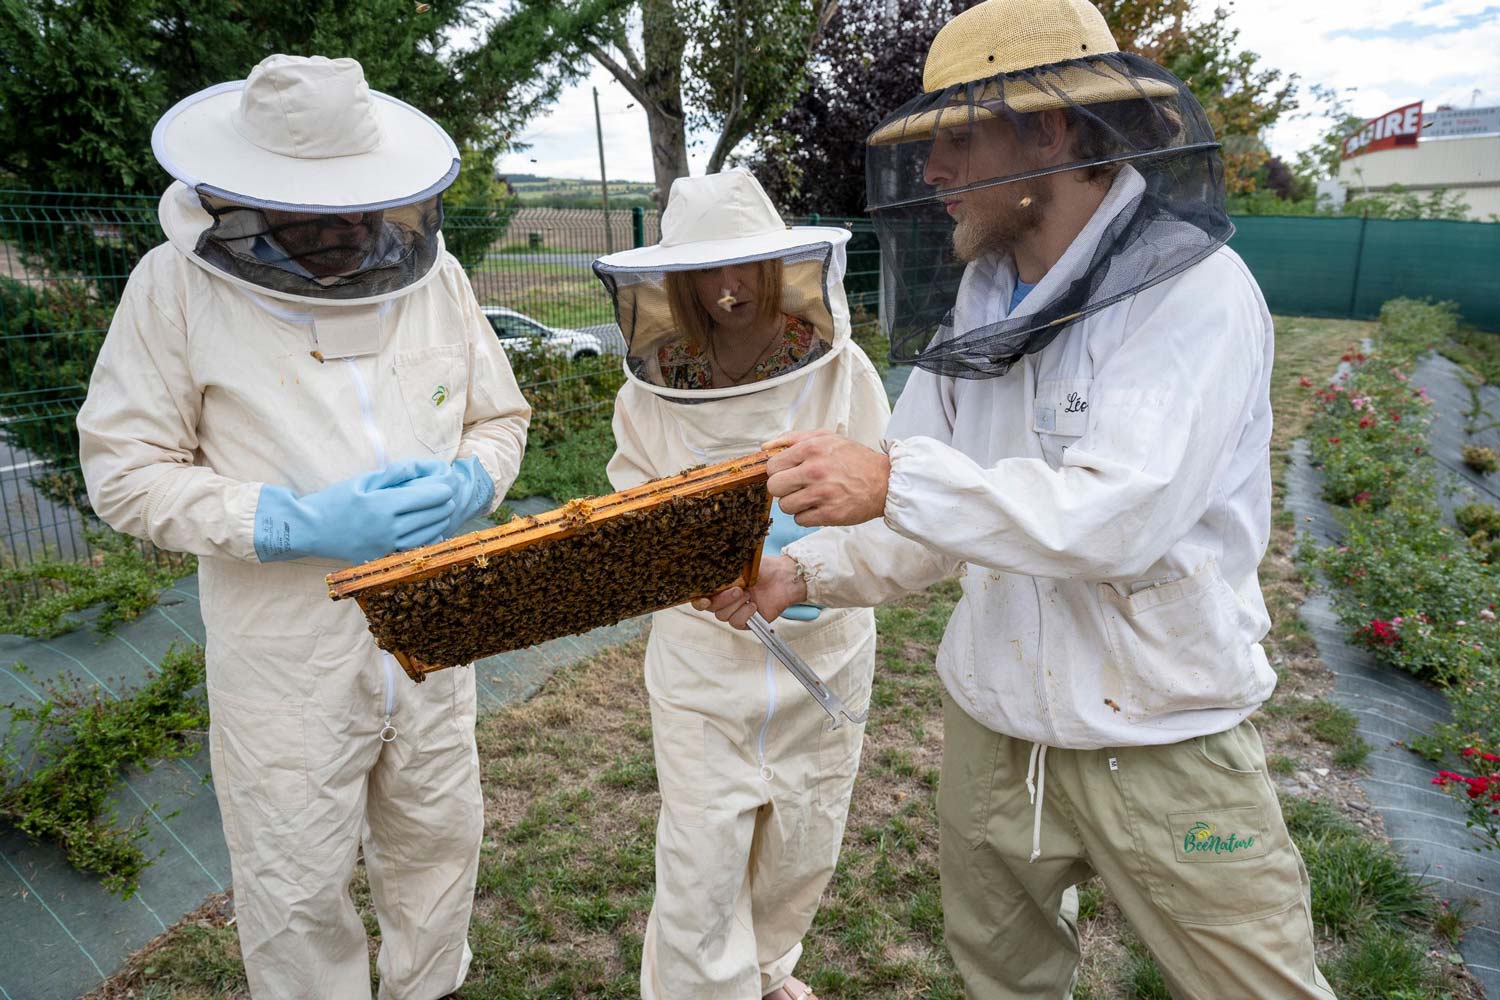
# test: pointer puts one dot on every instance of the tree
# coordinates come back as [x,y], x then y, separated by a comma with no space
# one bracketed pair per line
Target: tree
[1241,98]
[85,82]
[725,65]
[748,65]
[1322,159]
[870,59]
[105,70]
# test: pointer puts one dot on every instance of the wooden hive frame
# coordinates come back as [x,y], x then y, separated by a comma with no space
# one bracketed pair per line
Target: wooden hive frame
[493,546]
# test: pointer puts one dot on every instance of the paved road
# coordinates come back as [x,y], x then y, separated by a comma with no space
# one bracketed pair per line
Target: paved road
[31,526]
[609,336]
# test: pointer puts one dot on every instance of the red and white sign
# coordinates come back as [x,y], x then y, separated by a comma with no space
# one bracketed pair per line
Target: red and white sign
[1394,128]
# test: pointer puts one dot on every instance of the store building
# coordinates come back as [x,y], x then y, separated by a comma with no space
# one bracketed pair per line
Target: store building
[1456,150]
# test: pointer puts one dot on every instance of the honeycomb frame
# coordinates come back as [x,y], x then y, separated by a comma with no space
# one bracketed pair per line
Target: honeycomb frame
[593,561]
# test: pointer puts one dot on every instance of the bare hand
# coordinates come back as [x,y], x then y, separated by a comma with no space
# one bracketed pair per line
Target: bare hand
[777,589]
[823,478]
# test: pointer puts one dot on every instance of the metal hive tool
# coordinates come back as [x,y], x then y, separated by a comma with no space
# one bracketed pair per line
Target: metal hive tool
[589,563]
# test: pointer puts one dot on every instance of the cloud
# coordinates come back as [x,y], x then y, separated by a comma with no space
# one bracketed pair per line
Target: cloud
[1390,52]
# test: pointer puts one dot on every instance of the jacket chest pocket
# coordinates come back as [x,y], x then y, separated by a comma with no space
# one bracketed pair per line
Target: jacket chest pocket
[1060,415]
[1181,645]
[434,390]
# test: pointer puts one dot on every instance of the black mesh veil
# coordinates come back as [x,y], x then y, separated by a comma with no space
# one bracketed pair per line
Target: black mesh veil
[325,255]
[958,175]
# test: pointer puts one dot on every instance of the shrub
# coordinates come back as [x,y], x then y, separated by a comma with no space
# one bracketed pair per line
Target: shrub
[60,760]
[1481,459]
[1416,592]
[36,599]
[566,396]
[53,333]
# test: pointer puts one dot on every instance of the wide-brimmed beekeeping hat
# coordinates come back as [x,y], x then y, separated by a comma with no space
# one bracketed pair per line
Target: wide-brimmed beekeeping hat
[304,135]
[1047,45]
[720,218]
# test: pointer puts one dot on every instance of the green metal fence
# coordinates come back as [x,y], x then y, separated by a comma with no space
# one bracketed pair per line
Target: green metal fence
[1348,267]
[64,259]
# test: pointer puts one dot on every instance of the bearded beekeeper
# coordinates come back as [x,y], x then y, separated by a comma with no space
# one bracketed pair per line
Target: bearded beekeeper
[1086,444]
[737,329]
[300,379]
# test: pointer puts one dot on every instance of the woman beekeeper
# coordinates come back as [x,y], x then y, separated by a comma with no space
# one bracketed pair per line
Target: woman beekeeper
[737,328]
[300,379]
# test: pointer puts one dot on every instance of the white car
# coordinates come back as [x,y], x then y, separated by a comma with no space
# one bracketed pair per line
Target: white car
[513,328]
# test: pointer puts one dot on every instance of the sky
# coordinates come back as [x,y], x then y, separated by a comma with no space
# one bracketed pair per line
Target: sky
[1390,52]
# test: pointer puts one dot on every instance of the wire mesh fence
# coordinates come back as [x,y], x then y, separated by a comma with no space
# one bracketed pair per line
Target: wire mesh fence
[64,260]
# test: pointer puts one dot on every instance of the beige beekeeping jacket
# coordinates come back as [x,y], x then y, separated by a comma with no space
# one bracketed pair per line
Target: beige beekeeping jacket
[204,391]
[751,780]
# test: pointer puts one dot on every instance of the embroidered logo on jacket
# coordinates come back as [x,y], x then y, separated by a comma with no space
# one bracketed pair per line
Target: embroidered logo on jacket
[1076,403]
[1203,839]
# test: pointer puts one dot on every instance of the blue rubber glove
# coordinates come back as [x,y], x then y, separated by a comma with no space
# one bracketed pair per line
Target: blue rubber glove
[784,531]
[402,506]
[473,490]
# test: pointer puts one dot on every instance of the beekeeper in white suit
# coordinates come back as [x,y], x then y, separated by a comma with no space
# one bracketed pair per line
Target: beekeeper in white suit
[737,329]
[1086,444]
[298,380]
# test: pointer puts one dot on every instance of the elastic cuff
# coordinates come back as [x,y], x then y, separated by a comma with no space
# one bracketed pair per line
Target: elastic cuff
[809,570]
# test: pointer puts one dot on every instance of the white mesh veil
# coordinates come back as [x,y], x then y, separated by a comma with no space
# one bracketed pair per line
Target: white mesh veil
[670,313]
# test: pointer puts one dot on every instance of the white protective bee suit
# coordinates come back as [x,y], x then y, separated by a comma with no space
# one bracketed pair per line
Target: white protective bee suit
[209,386]
[755,789]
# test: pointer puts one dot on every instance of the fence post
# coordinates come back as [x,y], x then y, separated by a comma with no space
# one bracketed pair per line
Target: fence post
[814,219]
[1359,256]
[638,226]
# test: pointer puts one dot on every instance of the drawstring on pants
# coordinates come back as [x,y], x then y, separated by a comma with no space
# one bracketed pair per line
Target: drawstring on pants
[1036,786]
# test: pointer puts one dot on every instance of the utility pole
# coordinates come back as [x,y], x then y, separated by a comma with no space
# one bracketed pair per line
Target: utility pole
[609,234]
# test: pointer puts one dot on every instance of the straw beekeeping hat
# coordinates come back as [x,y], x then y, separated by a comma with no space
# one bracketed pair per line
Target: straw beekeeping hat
[987,43]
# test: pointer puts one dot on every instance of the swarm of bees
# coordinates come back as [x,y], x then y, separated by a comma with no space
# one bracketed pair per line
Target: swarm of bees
[590,563]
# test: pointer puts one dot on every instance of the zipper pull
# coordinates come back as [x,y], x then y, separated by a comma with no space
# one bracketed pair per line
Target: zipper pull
[388,733]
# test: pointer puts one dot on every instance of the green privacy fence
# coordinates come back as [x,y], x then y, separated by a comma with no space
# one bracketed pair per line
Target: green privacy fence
[1347,267]
[64,259]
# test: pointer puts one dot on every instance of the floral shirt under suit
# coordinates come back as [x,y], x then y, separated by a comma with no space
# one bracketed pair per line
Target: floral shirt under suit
[685,365]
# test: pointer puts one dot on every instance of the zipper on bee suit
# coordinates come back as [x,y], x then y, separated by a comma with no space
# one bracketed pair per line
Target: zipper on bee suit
[377,443]
[765,726]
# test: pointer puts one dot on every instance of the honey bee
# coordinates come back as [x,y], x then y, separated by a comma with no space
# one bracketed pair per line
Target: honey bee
[1112,704]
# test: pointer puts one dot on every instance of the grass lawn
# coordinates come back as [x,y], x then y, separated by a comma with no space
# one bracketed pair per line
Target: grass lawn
[566,868]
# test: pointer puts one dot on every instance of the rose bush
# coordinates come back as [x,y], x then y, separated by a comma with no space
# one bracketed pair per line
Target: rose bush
[1417,592]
